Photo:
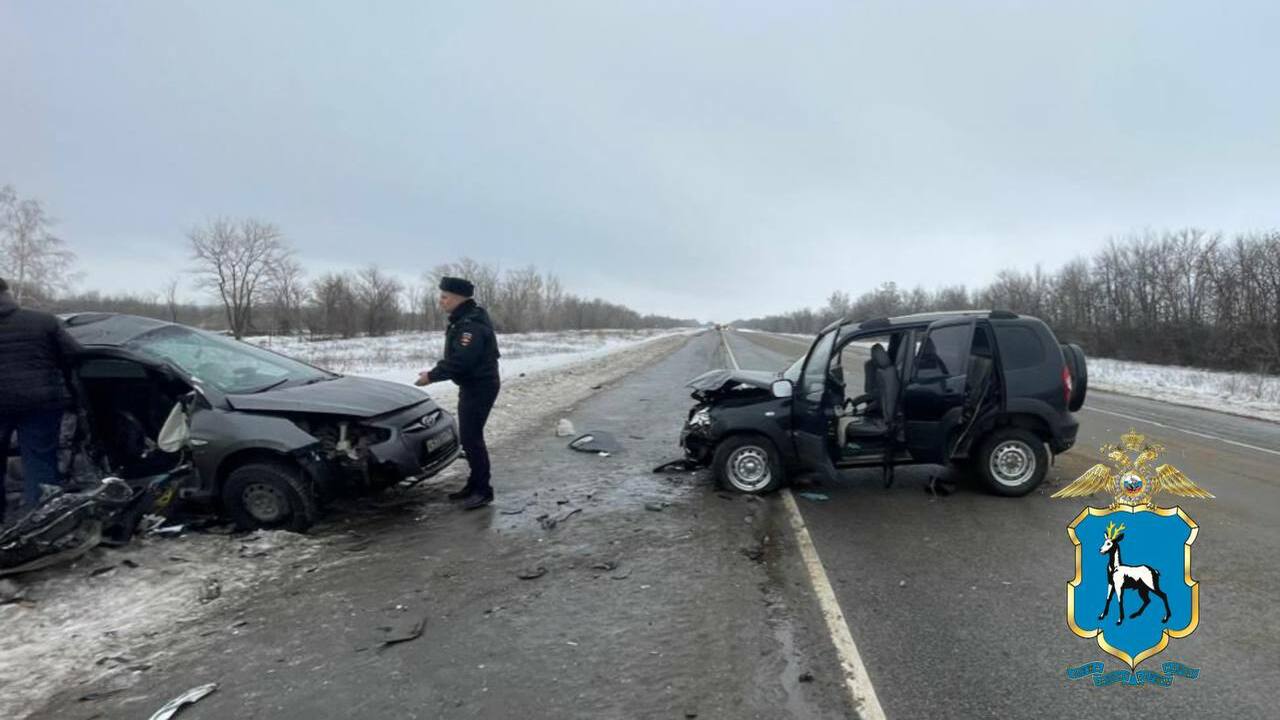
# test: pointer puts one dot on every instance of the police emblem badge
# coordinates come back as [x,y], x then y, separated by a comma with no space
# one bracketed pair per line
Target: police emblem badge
[1133,550]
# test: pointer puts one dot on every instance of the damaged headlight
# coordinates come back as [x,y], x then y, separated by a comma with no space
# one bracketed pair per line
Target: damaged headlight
[700,417]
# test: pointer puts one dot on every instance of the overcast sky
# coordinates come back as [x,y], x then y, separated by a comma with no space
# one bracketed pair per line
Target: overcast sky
[716,160]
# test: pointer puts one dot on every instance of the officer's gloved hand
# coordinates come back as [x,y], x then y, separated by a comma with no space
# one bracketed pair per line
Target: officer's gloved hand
[424,378]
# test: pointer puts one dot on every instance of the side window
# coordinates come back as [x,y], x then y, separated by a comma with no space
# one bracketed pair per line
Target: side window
[943,353]
[1020,347]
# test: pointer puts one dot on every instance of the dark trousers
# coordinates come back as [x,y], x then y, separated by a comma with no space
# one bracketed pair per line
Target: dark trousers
[38,433]
[474,404]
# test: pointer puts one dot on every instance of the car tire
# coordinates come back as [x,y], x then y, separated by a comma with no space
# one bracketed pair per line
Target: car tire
[269,496]
[748,464]
[1079,369]
[1012,461]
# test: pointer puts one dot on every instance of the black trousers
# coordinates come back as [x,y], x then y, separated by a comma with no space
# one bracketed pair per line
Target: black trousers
[474,403]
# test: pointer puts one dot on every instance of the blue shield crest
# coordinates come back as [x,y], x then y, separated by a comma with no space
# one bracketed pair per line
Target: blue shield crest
[1133,588]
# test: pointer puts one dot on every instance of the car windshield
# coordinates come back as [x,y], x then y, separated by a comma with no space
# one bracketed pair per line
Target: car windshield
[229,365]
[793,373]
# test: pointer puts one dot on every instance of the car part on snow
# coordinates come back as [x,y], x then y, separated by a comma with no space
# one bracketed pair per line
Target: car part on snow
[194,695]
[67,525]
[596,441]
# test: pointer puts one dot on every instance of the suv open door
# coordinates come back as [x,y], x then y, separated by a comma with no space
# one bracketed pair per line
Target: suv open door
[813,409]
[933,400]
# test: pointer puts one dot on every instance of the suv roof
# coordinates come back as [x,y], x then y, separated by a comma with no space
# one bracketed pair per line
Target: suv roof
[923,318]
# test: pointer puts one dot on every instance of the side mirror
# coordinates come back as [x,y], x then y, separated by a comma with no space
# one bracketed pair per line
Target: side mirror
[782,388]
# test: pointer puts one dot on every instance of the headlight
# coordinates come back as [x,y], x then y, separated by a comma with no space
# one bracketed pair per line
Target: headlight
[700,418]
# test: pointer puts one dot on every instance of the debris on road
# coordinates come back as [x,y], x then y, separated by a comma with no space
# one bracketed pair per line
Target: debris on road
[11,592]
[564,428]
[189,697]
[814,496]
[655,506]
[402,630]
[806,677]
[902,583]
[549,523]
[596,442]
[210,590]
[681,465]
[532,573]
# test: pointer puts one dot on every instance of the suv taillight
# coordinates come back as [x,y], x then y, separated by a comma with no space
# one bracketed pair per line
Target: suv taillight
[1066,385]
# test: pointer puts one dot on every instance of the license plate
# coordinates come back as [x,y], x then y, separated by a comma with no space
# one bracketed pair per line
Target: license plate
[438,442]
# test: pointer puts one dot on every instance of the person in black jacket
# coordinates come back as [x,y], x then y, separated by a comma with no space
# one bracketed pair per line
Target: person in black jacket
[36,355]
[470,361]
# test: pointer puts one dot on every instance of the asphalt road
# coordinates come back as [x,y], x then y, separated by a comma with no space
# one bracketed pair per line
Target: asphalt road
[957,602]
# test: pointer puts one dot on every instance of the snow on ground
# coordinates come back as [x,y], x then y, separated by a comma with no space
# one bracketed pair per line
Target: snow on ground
[76,630]
[1250,394]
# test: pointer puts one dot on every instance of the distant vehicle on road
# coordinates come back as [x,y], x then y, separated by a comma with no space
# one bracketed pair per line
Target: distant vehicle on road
[269,437]
[988,391]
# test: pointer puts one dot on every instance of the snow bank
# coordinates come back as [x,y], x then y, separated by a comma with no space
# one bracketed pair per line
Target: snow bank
[1250,394]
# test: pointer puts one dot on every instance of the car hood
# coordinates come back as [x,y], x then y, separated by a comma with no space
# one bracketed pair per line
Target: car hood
[718,379]
[350,396]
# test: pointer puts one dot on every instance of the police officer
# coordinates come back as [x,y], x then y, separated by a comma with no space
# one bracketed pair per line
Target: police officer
[471,362]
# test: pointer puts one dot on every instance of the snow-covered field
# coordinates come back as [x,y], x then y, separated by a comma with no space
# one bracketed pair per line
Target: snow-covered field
[1250,394]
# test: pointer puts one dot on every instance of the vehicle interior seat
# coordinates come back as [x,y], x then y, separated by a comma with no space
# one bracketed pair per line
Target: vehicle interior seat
[887,386]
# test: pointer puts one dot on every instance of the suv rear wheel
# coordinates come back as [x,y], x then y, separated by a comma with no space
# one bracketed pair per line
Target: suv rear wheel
[269,495]
[1012,461]
[748,464]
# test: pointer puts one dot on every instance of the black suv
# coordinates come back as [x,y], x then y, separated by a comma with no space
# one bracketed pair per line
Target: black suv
[984,390]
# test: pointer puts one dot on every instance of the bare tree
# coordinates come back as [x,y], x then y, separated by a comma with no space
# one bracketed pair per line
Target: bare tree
[287,293]
[379,296]
[234,258]
[36,261]
[170,293]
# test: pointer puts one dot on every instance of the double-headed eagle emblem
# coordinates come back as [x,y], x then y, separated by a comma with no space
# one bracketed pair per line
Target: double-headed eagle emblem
[1133,479]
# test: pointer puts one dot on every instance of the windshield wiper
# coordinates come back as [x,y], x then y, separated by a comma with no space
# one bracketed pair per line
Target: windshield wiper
[271,386]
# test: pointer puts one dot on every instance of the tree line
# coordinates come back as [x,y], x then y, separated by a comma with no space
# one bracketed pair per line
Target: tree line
[258,285]
[1181,297]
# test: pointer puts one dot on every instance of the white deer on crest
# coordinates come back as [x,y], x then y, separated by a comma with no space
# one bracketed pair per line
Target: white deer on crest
[1120,577]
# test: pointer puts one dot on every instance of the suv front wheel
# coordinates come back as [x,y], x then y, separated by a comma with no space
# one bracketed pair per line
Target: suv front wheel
[748,464]
[1012,461]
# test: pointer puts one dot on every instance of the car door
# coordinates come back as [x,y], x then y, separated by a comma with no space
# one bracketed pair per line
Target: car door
[933,401]
[813,410]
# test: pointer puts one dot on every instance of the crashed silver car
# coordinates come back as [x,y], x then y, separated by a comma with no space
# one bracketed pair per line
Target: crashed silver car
[269,438]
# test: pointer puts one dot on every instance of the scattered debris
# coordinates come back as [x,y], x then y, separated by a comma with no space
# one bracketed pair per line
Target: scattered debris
[402,630]
[532,573]
[210,590]
[11,592]
[549,523]
[682,465]
[189,697]
[607,566]
[725,496]
[564,428]
[814,496]
[597,441]
[621,574]
[902,583]
[754,553]
[655,506]
[511,511]
[806,677]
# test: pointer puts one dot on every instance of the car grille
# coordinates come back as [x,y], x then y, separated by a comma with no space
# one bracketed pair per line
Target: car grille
[424,423]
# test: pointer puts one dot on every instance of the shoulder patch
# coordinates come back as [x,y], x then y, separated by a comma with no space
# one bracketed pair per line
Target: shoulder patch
[465,340]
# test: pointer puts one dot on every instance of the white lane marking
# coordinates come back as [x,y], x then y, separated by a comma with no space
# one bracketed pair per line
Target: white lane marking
[856,680]
[724,338]
[1207,436]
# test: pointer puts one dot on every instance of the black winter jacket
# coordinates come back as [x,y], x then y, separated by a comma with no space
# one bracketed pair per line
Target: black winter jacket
[36,356]
[470,348]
